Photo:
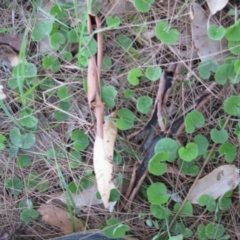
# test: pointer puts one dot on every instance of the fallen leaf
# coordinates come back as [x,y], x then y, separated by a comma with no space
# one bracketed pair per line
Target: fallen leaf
[86,198]
[206,48]
[2,94]
[216,183]
[59,218]
[8,55]
[12,42]
[216,5]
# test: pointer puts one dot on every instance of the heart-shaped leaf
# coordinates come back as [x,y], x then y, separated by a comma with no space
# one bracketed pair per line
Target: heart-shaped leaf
[219,136]
[165,34]
[232,105]
[229,150]
[153,73]
[194,119]
[125,119]
[188,153]
[155,166]
[113,21]
[216,33]
[208,201]
[133,76]
[144,104]
[157,193]
[143,6]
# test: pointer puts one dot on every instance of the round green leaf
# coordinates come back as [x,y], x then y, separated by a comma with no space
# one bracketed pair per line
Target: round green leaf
[51,62]
[26,119]
[216,33]
[134,75]
[63,94]
[229,150]
[155,166]
[124,41]
[223,73]
[108,95]
[206,67]
[189,168]
[75,159]
[23,161]
[128,93]
[67,56]
[169,146]
[194,119]
[187,210]
[28,214]
[125,119]
[106,63]
[234,47]
[208,201]
[159,212]
[113,21]
[232,105]
[144,104]
[57,40]
[156,193]
[15,185]
[202,144]
[219,136]
[225,201]
[165,34]
[214,231]
[232,32]
[153,73]
[80,139]
[73,36]
[143,6]
[41,29]
[189,153]
[89,47]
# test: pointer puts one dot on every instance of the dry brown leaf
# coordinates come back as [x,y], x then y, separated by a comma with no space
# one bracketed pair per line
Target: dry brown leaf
[216,5]
[206,47]
[59,218]
[103,159]
[216,183]
[7,54]
[12,42]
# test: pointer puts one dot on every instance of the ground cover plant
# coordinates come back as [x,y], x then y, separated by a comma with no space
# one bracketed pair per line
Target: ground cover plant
[120,117]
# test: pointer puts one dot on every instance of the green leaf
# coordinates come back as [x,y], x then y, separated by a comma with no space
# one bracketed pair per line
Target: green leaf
[134,75]
[201,232]
[169,146]
[117,158]
[229,150]
[80,139]
[28,214]
[114,195]
[214,231]
[144,104]
[57,12]
[216,33]
[57,40]
[63,94]
[73,36]
[143,6]
[25,203]
[2,140]
[225,201]
[23,161]
[41,29]
[60,116]
[26,119]
[232,32]
[32,180]
[206,67]
[124,41]
[194,119]
[128,93]
[155,166]
[113,21]
[75,159]
[15,185]
[157,193]
[22,141]
[179,237]
[125,119]
[234,47]
[51,62]
[202,144]
[159,212]
[223,73]
[232,105]
[165,34]
[89,47]
[189,153]
[187,210]
[106,63]
[208,201]
[153,74]
[189,168]
[219,136]
[108,95]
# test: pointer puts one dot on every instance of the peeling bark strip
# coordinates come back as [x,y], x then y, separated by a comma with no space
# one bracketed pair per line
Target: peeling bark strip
[106,133]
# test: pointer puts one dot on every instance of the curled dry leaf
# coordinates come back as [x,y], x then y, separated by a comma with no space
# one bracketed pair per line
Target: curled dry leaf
[216,183]
[12,42]
[2,94]
[103,159]
[206,47]
[8,56]
[59,218]
[216,5]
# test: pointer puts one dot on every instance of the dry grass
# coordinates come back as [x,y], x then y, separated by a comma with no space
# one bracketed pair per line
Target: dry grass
[19,14]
